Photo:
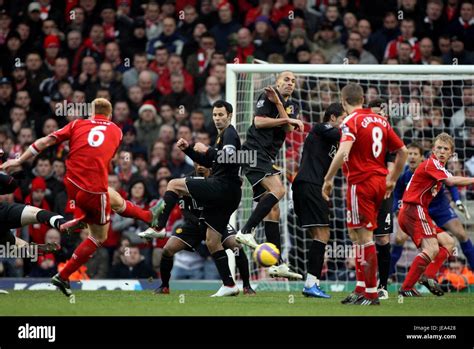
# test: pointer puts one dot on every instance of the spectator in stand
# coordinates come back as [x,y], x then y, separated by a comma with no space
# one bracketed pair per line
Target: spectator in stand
[73,42]
[112,56]
[434,23]
[125,168]
[327,40]
[167,135]
[444,45]
[350,24]
[147,126]
[207,98]
[426,51]
[175,66]
[154,26]
[36,198]
[131,266]
[463,26]
[354,42]
[458,54]
[135,100]
[407,29]
[140,63]
[190,20]
[121,114]
[130,142]
[264,8]
[384,35]
[159,155]
[404,53]
[93,46]
[169,38]
[197,62]
[159,64]
[47,265]
[145,82]
[178,96]
[226,25]
[44,169]
[50,86]
[106,80]
[244,51]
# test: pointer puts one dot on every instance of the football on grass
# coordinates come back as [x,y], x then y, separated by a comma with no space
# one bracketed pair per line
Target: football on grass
[266,254]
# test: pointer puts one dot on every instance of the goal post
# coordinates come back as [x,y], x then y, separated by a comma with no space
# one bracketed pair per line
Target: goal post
[421,101]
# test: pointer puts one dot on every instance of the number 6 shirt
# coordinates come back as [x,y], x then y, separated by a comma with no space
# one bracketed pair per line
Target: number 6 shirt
[373,137]
[92,143]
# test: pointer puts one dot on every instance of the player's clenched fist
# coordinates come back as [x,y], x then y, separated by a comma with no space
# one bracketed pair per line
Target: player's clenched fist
[200,148]
[272,95]
[182,144]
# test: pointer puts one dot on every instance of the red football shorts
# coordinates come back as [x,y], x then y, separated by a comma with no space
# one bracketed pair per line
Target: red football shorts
[363,202]
[95,207]
[415,221]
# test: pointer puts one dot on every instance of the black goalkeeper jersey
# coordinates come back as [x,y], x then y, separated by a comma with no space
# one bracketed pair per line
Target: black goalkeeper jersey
[318,151]
[222,158]
[269,140]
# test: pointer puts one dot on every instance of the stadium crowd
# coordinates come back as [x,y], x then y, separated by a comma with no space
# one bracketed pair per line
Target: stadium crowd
[162,65]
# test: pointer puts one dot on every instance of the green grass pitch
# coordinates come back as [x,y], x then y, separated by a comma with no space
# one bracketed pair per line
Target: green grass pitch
[190,303]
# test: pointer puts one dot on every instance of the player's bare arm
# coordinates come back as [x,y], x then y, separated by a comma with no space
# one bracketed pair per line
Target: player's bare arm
[33,150]
[460,181]
[341,156]
[396,170]
[182,144]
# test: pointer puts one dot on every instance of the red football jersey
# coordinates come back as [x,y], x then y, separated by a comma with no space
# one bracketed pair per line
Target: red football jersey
[425,183]
[373,137]
[92,144]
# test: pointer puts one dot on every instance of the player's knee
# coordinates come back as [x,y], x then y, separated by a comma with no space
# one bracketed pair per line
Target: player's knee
[449,244]
[400,240]
[432,250]
[279,192]
[168,252]
[212,243]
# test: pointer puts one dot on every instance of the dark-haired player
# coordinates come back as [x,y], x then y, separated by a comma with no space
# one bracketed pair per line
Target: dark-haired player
[219,194]
[190,235]
[276,114]
[312,210]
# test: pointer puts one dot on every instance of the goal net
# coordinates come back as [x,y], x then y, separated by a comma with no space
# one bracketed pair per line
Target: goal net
[421,102]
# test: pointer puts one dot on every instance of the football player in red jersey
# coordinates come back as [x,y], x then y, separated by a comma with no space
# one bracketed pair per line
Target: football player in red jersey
[93,143]
[414,219]
[366,138]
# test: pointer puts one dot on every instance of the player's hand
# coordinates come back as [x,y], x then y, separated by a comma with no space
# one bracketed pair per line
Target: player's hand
[11,166]
[390,187]
[327,189]
[272,95]
[200,148]
[182,144]
[297,124]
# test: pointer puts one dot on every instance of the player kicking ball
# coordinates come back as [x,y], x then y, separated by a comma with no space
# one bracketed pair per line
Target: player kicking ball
[414,218]
[312,210]
[93,142]
[276,114]
[219,194]
[366,138]
[191,233]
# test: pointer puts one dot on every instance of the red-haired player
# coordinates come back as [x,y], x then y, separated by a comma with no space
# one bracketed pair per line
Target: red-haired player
[93,143]
[414,219]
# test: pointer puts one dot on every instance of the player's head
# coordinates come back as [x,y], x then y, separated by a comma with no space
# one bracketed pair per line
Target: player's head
[378,107]
[352,95]
[334,114]
[222,114]
[415,155]
[102,106]
[201,170]
[443,147]
[286,83]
